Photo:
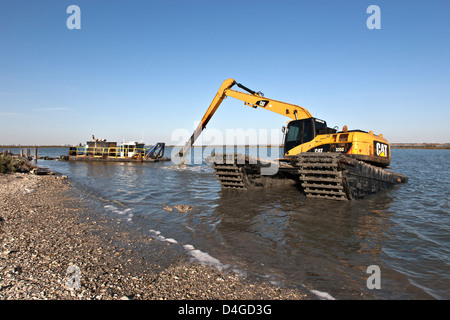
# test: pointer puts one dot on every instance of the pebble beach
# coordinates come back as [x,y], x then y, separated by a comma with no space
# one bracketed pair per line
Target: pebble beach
[53,246]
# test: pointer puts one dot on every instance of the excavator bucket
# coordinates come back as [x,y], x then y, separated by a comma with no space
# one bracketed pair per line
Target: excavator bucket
[156,151]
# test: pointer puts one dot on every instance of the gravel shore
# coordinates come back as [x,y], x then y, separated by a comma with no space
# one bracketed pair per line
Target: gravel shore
[53,246]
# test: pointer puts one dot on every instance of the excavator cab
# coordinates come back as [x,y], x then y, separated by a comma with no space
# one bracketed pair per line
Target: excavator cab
[305,130]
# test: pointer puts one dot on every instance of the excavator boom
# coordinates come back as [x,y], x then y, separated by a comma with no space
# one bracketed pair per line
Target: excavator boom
[252,99]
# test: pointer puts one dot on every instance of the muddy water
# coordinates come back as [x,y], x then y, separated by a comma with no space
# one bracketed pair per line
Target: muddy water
[279,236]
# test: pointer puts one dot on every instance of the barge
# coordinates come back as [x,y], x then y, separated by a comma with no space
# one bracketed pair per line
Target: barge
[102,150]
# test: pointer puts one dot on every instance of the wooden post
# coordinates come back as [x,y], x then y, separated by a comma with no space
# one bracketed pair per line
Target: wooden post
[21,153]
[35,154]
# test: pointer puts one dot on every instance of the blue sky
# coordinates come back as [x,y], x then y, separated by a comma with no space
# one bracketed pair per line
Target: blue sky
[154,67]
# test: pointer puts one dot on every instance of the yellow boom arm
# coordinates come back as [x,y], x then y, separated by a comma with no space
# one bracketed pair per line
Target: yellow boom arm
[252,99]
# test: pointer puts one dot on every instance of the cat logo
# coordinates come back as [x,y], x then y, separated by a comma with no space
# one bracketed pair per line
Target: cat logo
[262,103]
[381,149]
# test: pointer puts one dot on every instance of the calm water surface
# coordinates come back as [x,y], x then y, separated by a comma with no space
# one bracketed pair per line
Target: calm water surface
[280,236]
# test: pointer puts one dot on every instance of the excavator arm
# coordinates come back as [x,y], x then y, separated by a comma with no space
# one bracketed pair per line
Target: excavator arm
[252,99]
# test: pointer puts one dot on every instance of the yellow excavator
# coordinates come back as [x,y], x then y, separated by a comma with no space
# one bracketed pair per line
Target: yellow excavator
[326,163]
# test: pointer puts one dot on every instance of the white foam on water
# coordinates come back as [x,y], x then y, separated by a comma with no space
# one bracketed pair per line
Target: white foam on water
[126,212]
[195,168]
[322,295]
[116,210]
[196,255]
[188,247]
[272,280]
[157,235]
[206,259]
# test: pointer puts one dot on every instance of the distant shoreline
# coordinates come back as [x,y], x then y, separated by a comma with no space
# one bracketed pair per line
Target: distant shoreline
[420,145]
[393,146]
[32,146]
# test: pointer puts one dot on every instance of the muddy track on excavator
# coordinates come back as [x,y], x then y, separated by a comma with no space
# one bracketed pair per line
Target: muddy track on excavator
[243,172]
[320,175]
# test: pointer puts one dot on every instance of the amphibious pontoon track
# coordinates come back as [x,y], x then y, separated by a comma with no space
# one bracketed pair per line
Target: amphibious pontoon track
[243,172]
[231,176]
[236,171]
[321,175]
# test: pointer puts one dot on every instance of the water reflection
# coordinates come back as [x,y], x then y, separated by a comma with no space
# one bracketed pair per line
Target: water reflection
[305,241]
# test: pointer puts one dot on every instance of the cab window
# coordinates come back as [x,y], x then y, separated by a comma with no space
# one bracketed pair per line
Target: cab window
[299,131]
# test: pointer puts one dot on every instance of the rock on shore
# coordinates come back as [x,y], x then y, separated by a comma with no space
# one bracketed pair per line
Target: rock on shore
[53,247]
